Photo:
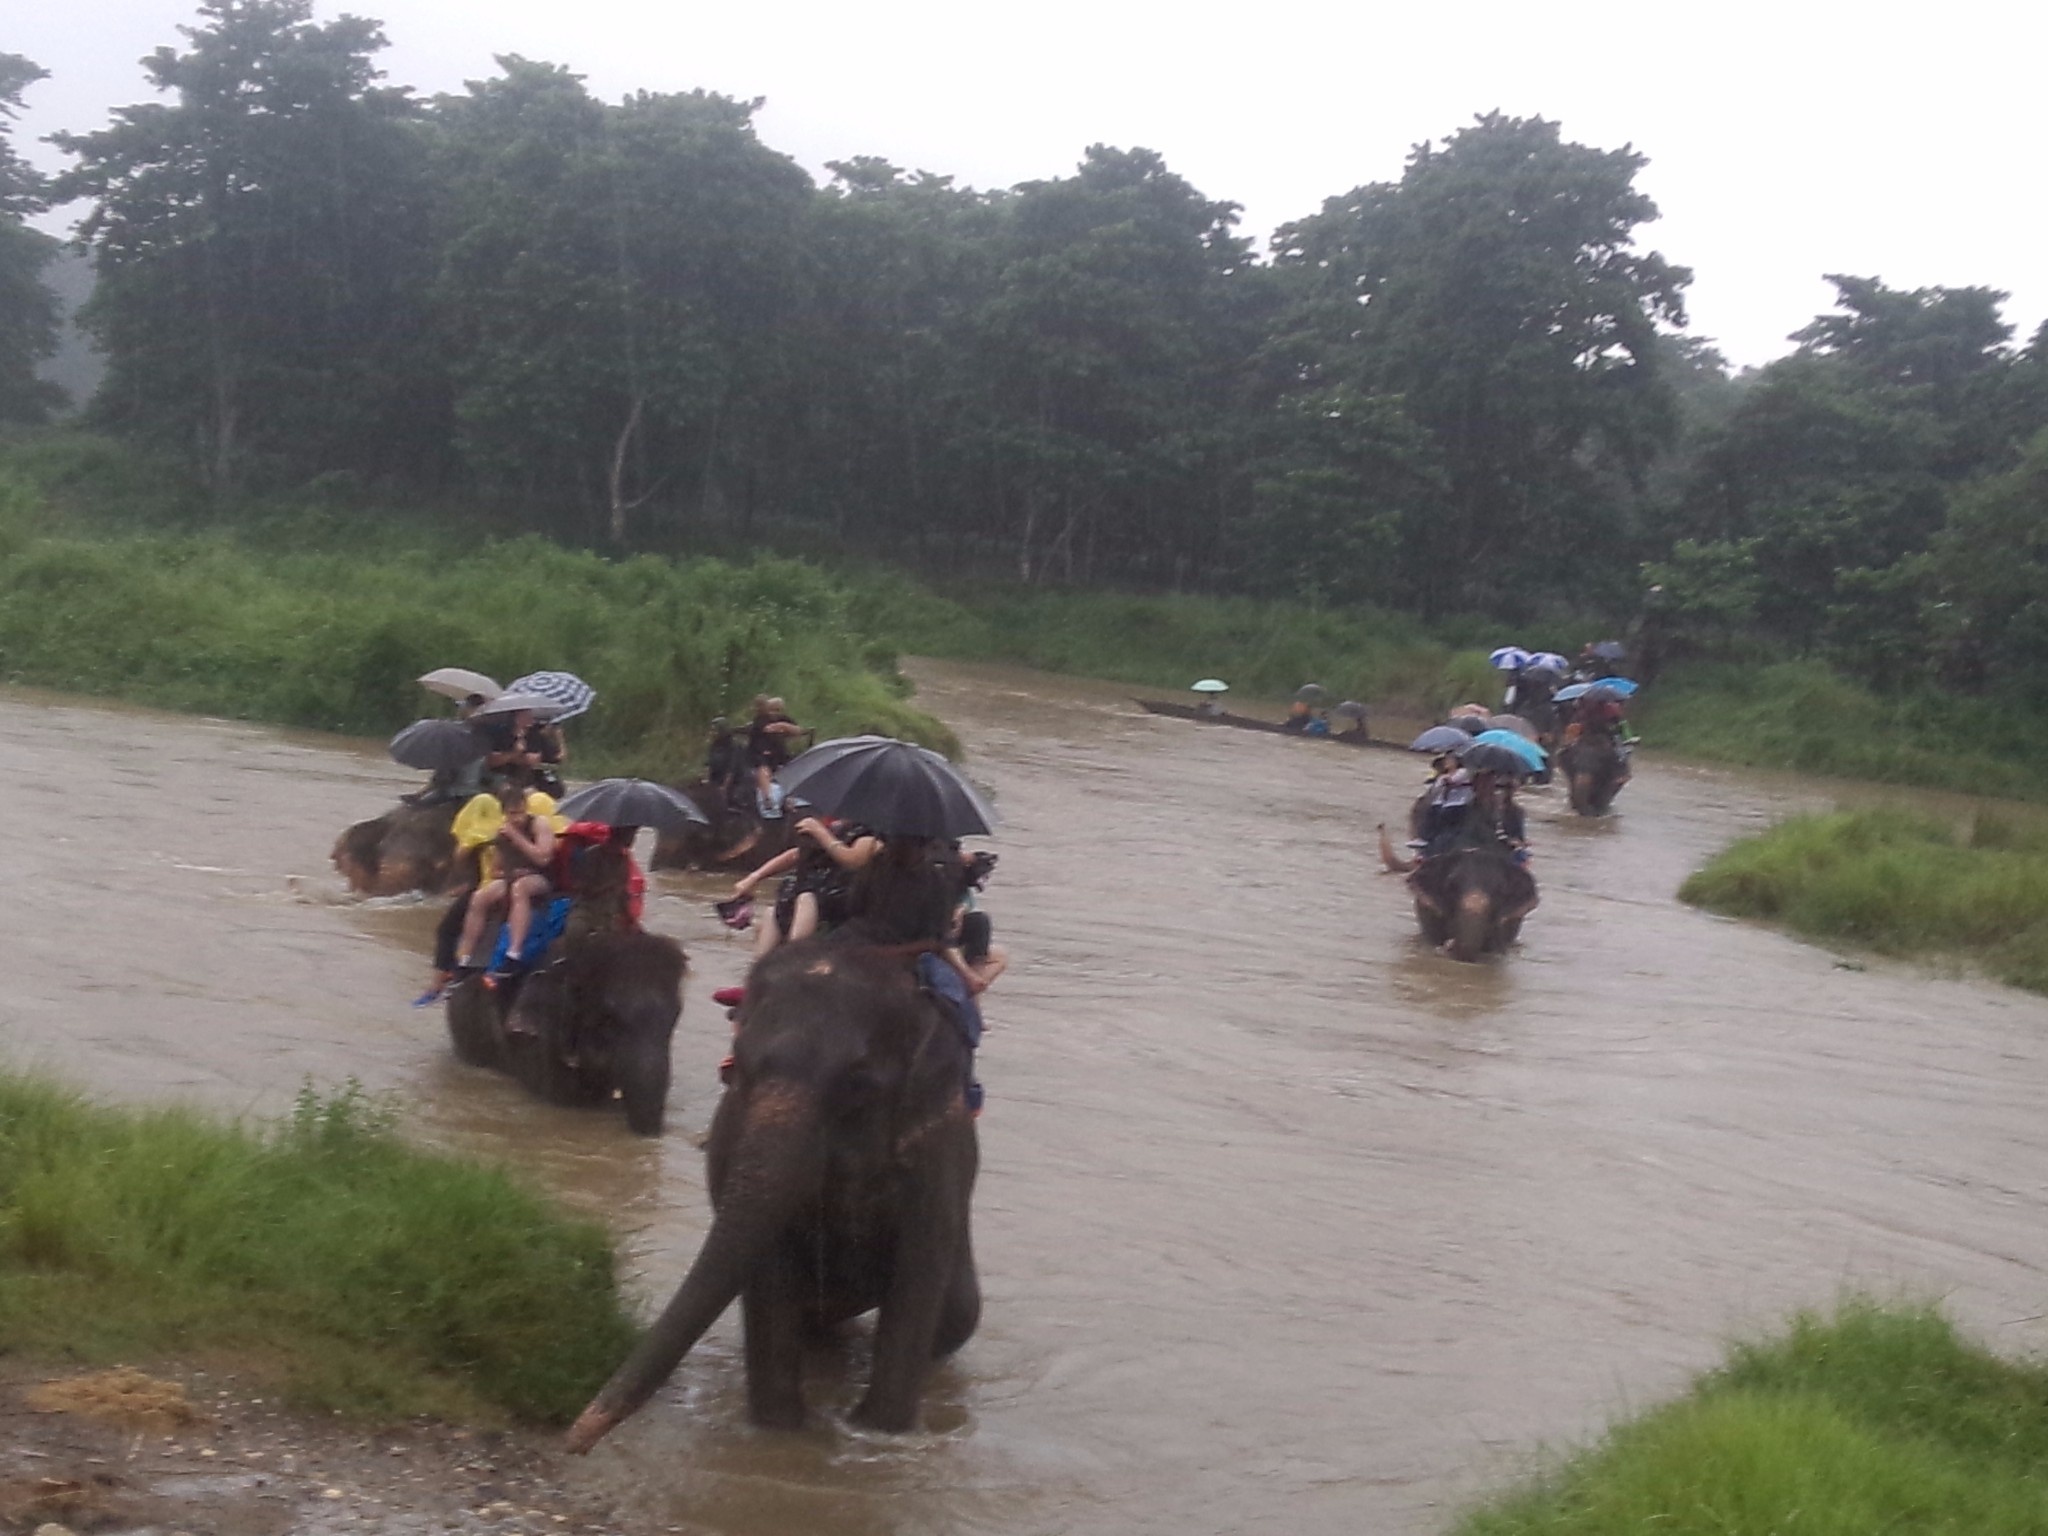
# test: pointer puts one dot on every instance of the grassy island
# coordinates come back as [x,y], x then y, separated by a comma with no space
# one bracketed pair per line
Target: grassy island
[1877,1419]
[1898,883]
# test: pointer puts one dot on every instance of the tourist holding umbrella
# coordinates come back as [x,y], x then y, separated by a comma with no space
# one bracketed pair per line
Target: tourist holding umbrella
[909,894]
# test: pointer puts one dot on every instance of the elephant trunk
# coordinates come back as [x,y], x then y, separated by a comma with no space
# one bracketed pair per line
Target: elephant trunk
[775,1167]
[1472,925]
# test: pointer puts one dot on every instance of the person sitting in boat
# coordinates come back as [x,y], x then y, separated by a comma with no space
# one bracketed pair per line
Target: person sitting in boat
[1299,717]
[525,848]
[769,739]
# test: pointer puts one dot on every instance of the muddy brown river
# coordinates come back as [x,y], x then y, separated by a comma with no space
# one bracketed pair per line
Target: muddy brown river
[1285,1224]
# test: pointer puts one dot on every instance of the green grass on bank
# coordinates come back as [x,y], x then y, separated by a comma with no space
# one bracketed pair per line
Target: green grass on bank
[1874,1420]
[1898,883]
[322,1254]
[1800,715]
[325,624]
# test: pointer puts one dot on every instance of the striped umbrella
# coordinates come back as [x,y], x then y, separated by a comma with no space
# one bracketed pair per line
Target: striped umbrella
[564,689]
[1509,658]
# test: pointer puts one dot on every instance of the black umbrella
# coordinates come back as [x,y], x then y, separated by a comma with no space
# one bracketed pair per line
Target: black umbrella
[891,786]
[437,745]
[633,803]
[1471,725]
[1440,738]
[1487,757]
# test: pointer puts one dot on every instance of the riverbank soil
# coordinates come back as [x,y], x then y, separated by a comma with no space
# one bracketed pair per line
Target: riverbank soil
[164,1451]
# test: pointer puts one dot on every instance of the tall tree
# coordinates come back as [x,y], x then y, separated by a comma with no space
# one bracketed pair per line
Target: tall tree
[618,287]
[260,243]
[1839,462]
[28,309]
[1497,291]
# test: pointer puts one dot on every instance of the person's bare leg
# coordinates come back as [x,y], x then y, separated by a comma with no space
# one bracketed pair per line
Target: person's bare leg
[804,921]
[767,935]
[481,906]
[521,920]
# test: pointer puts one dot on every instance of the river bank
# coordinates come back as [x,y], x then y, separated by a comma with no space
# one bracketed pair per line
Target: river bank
[178,1449]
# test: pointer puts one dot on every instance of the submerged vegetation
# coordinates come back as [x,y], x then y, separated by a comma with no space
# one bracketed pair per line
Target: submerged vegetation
[1898,883]
[1876,1419]
[322,1254]
[289,618]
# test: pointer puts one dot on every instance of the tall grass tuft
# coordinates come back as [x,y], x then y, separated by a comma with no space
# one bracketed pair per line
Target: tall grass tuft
[1898,883]
[1872,1420]
[363,1275]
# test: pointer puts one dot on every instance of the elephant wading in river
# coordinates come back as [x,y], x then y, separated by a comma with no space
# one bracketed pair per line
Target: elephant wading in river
[841,1164]
[735,837]
[1594,768]
[593,1021]
[408,848]
[1471,902]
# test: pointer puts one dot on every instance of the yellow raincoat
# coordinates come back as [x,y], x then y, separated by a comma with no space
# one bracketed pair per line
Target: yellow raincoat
[477,824]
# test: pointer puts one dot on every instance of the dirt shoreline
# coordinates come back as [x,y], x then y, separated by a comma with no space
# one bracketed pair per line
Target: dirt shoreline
[232,1461]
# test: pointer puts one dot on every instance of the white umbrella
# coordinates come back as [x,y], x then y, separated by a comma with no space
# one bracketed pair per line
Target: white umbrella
[1210,685]
[459,683]
[512,703]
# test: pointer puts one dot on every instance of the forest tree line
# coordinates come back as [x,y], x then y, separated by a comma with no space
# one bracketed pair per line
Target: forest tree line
[634,324]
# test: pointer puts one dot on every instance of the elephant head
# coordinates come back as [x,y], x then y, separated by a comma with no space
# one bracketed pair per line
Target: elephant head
[840,1162]
[410,848]
[1594,771]
[1472,901]
[625,993]
[732,836]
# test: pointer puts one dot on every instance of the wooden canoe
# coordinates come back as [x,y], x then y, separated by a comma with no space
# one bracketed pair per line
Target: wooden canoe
[1248,723]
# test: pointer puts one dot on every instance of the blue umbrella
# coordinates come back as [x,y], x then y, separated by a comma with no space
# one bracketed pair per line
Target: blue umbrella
[1528,751]
[1439,738]
[1509,658]
[1548,661]
[566,690]
[1624,686]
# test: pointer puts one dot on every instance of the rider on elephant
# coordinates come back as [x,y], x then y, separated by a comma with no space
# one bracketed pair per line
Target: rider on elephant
[524,846]
[475,832]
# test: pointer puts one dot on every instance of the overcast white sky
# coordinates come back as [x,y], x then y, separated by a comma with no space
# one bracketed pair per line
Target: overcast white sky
[1785,139]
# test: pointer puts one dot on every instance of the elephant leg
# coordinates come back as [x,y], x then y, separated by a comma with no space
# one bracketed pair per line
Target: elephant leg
[961,1313]
[928,1248]
[771,1306]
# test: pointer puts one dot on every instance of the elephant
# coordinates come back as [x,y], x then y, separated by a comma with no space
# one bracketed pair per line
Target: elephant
[841,1165]
[1471,901]
[1595,767]
[736,839]
[593,1020]
[408,848]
